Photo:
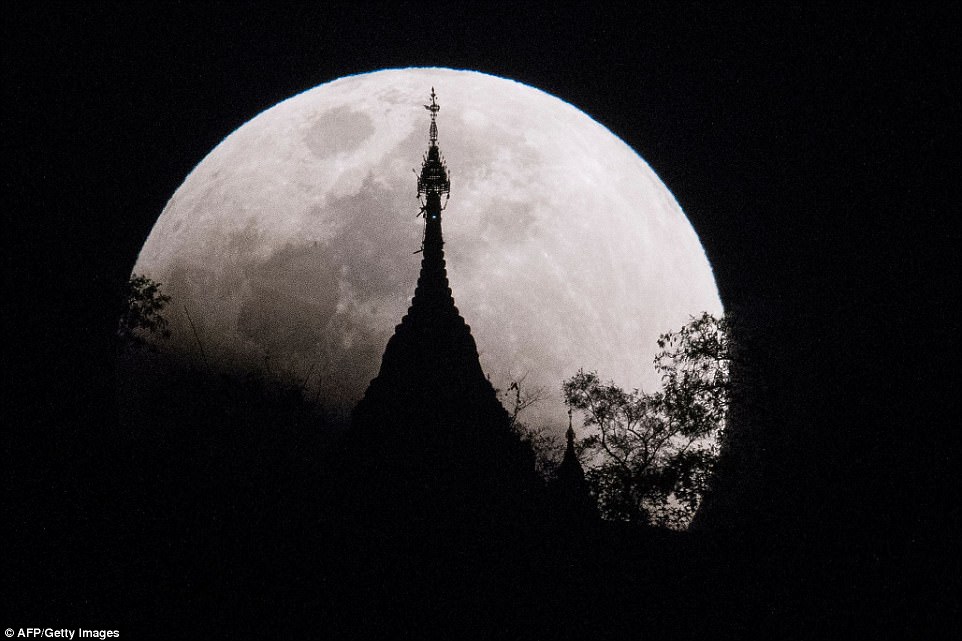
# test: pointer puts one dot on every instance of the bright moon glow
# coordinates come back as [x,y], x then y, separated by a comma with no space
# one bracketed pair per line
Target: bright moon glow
[292,243]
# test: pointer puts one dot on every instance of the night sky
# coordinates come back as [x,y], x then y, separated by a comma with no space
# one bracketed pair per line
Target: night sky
[809,148]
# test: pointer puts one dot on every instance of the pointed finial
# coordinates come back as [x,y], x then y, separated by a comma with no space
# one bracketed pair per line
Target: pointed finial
[434,108]
[434,175]
[570,434]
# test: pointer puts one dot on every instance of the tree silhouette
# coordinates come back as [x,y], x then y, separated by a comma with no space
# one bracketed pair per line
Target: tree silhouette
[547,447]
[142,315]
[650,456]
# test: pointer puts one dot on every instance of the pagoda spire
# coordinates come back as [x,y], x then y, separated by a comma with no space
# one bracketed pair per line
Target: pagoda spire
[433,182]
[570,437]
[434,108]
[572,499]
[432,342]
[433,294]
[432,441]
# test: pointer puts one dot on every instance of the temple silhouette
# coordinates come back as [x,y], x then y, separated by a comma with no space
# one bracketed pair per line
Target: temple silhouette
[433,442]
[434,521]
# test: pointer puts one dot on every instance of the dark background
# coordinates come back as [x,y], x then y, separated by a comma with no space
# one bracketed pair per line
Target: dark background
[809,147]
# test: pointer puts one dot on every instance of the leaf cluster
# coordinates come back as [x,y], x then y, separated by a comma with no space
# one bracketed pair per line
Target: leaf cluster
[650,455]
[142,314]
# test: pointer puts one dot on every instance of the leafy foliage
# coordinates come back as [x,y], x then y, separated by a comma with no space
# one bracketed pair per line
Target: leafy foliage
[694,365]
[142,315]
[650,456]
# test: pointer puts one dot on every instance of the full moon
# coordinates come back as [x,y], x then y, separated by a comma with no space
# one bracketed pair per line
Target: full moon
[292,244]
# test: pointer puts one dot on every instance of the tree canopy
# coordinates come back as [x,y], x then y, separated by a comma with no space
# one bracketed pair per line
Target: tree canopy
[142,314]
[649,456]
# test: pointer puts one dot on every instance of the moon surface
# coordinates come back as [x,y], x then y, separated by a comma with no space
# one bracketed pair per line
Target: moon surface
[292,243]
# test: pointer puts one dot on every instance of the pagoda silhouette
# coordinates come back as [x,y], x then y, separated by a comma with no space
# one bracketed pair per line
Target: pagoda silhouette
[569,500]
[430,371]
[433,441]
[431,447]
